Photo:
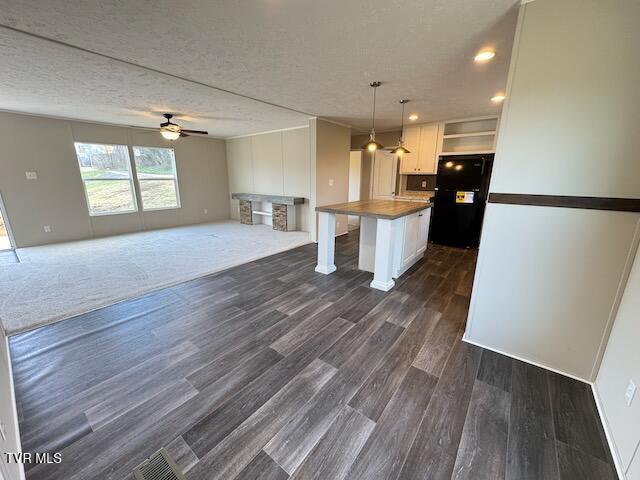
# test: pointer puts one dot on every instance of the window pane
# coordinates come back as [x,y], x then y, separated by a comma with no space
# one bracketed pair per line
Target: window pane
[156,170]
[109,196]
[106,171]
[103,161]
[154,162]
[158,194]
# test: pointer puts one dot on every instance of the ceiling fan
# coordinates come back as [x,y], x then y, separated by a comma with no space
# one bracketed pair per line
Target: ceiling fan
[172,131]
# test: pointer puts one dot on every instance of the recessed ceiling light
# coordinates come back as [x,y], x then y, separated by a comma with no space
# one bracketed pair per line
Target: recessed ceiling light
[413,117]
[484,56]
[497,98]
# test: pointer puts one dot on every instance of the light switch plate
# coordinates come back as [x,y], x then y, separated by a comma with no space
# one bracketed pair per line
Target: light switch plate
[631,391]
[331,182]
[31,175]
[47,228]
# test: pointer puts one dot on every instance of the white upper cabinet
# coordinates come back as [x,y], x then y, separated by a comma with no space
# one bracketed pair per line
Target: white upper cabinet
[422,142]
[409,161]
[428,148]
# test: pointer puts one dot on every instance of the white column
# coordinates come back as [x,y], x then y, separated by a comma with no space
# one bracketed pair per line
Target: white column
[326,242]
[383,269]
[367,254]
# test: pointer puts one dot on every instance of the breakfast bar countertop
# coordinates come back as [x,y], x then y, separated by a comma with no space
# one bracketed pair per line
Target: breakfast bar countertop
[386,209]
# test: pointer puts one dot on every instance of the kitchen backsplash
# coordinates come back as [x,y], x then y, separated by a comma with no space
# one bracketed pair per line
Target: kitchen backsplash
[420,183]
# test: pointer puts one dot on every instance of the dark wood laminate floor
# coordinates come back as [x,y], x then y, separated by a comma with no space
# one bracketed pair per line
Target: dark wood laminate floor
[270,370]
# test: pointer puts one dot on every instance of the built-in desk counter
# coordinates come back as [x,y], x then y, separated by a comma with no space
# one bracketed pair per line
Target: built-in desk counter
[279,208]
[393,236]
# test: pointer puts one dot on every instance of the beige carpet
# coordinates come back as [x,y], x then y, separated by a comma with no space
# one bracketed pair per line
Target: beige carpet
[54,282]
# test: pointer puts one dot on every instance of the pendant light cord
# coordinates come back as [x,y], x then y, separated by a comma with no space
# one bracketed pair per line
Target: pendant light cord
[373,116]
[402,123]
[375,86]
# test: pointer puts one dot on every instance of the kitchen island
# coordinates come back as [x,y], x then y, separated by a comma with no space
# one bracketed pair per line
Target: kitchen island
[393,236]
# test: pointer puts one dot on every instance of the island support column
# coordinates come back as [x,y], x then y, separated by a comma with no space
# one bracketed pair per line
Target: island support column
[326,242]
[386,241]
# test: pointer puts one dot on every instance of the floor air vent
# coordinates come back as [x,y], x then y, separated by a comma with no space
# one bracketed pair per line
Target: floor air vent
[160,466]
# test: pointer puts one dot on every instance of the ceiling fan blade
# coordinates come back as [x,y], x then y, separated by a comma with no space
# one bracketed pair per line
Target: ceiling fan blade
[182,134]
[165,124]
[198,132]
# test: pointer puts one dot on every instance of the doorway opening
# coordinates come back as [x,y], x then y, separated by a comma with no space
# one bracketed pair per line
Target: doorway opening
[6,239]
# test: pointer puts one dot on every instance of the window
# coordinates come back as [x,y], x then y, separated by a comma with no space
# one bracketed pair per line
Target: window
[156,171]
[106,174]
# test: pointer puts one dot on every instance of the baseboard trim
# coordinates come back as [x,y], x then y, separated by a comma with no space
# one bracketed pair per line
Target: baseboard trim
[603,419]
[525,360]
[325,269]
[607,433]
[385,287]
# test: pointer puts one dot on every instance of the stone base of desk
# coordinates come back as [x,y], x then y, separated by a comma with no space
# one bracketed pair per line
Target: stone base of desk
[283,217]
[246,215]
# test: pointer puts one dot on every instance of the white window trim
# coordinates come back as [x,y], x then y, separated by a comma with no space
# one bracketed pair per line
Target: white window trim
[174,179]
[84,185]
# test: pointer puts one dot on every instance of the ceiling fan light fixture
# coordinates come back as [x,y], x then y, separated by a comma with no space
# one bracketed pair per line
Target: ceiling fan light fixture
[372,145]
[173,131]
[170,132]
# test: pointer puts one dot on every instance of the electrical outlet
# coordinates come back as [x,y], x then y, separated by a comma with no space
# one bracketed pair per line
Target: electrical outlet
[631,391]
[47,228]
[424,184]
[31,175]
[3,432]
[331,182]
[206,211]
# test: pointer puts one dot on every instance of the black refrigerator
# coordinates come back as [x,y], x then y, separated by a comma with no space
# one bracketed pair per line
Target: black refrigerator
[462,186]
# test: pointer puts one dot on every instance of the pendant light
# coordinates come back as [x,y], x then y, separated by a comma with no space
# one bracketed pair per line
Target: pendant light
[400,149]
[372,145]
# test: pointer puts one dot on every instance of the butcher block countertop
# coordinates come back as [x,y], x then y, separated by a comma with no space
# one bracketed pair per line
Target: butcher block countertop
[387,209]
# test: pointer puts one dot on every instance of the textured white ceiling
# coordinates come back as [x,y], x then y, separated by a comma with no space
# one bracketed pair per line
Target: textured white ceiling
[314,57]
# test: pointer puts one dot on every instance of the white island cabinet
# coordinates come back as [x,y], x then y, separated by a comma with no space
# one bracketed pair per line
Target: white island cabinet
[393,236]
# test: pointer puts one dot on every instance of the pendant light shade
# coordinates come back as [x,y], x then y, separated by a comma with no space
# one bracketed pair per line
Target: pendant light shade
[372,145]
[400,150]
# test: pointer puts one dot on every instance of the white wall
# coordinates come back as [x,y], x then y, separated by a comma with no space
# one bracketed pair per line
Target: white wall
[8,416]
[332,151]
[275,163]
[546,283]
[620,364]
[57,198]
[549,280]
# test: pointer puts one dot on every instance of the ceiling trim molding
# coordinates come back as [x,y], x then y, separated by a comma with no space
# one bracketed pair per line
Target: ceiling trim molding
[334,122]
[149,69]
[244,135]
[95,122]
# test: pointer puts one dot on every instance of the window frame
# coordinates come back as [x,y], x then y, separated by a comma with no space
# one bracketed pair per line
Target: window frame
[174,179]
[132,185]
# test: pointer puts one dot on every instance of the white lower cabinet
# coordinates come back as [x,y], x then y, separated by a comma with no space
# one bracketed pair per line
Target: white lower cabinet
[410,236]
[413,242]
[423,230]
